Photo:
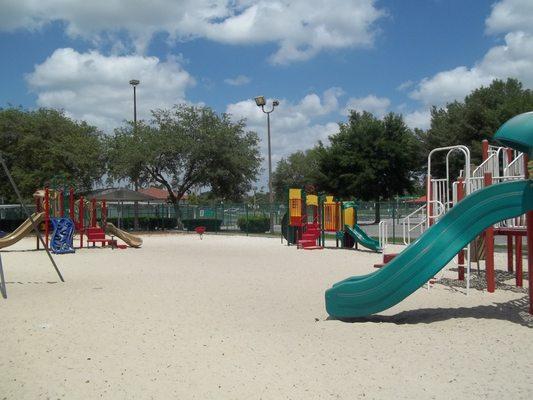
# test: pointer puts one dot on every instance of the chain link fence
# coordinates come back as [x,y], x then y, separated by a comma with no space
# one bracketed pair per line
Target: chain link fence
[158,216]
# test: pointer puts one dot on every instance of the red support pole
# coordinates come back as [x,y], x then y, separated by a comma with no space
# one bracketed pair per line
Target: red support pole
[71,204]
[519,280]
[46,214]
[461,255]
[93,213]
[529,223]
[484,149]
[38,209]
[81,211]
[489,243]
[509,253]
[61,204]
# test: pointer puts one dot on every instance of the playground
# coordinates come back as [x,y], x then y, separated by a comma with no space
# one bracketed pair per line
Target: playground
[244,317]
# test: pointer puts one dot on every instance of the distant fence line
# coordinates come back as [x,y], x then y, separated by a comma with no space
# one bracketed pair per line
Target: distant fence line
[158,216]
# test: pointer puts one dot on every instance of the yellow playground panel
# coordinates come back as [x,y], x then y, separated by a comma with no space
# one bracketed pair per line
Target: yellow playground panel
[349,216]
[311,200]
[331,214]
[295,207]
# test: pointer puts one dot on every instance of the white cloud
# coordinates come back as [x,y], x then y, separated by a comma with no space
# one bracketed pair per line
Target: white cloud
[300,28]
[294,125]
[511,15]
[371,103]
[418,119]
[514,58]
[95,88]
[239,80]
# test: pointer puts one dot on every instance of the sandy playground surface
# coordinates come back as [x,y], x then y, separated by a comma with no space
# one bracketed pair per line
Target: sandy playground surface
[234,317]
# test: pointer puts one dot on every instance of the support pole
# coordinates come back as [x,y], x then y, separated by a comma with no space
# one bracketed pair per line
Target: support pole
[489,243]
[33,223]
[93,213]
[529,217]
[46,215]
[61,204]
[509,253]
[519,279]
[71,204]
[461,255]
[81,222]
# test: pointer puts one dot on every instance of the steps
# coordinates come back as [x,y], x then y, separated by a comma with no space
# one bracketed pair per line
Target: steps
[310,237]
[386,258]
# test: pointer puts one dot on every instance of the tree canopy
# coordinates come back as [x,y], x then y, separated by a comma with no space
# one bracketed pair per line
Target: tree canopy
[186,148]
[369,158]
[42,144]
[298,170]
[476,118]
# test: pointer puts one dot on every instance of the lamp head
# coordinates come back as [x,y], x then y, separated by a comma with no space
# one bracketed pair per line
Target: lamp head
[260,101]
[134,82]
[275,103]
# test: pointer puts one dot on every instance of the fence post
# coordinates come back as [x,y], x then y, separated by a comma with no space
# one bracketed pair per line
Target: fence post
[246,212]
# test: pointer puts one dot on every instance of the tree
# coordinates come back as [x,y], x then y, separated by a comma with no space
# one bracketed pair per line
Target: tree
[186,148]
[43,144]
[298,170]
[369,158]
[476,118]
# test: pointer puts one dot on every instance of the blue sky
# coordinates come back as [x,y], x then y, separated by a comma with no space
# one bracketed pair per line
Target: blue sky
[318,58]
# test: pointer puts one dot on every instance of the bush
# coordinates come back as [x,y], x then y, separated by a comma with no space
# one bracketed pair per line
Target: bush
[211,224]
[254,224]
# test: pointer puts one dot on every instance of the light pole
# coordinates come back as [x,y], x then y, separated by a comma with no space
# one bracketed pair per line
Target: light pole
[261,102]
[134,83]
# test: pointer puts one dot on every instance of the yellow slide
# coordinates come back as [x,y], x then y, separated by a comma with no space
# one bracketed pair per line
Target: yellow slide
[131,240]
[24,228]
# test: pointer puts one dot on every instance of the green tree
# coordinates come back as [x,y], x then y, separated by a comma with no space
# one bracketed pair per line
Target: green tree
[369,158]
[476,118]
[186,148]
[298,170]
[42,144]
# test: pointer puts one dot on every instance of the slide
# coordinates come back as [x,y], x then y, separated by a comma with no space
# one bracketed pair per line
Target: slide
[21,231]
[131,240]
[369,294]
[362,238]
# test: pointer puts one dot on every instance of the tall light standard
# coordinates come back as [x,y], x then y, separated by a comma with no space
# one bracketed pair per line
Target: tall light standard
[134,83]
[261,102]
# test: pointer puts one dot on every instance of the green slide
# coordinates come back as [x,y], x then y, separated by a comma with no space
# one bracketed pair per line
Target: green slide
[368,294]
[362,238]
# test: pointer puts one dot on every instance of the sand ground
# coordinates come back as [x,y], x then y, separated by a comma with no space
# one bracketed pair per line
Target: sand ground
[233,317]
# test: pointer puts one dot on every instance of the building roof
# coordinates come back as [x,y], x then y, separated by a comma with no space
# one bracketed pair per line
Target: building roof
[119,194]
[160,194]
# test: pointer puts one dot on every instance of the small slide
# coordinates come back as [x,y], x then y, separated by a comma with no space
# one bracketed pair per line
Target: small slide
[362,238]
[19,233]
[131,240]
[369,294]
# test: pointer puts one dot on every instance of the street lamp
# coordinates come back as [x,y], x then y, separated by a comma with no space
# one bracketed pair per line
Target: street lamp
[261,102]
[134,83]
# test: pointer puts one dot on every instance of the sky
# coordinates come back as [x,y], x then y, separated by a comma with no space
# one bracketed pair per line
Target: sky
[320,59]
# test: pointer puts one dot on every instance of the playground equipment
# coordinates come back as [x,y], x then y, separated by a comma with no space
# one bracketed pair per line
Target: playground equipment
[311,217]
[200,230]
[22,231]
[62,236]
[34,225]
[88,217]
[128,238]
[447,234]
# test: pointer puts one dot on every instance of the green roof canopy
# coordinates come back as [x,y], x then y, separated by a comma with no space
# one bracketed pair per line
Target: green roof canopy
[517,133]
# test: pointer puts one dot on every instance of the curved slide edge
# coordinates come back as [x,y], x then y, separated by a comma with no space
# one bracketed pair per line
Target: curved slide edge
[21,232]
[131,240]
[362,238]
[375,292]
